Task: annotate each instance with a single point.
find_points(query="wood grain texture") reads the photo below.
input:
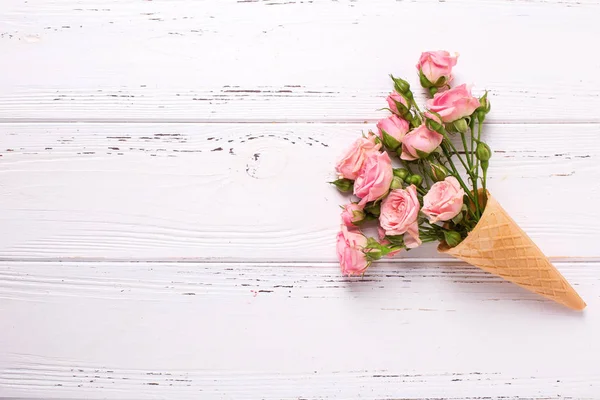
(251, 191)
(283, 331)
(216, 60)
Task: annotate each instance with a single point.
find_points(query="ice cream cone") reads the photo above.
(497, 245)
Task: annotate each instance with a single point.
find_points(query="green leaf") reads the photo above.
(459, 217)
(369, 217)
(452, 238)
(372, 255)
(373, 209)
(397, 240)
(372, 242)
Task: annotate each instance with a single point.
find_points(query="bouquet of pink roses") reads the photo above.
(437, 192)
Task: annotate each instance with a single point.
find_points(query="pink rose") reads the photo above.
(444, 200)
(352, 214)
(394, 98)
(393, 126)
(350, 245)
(437, 64)
(399, 213)
(421, 139)
(352, 161)
(375, 178)
(454, 104)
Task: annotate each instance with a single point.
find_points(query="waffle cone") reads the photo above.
(497, 245)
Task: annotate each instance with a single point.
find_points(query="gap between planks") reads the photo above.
(300, 264)
(257, 122)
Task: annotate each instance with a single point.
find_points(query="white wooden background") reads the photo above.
(167, 232)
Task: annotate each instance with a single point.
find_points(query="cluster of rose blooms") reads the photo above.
(425, 199)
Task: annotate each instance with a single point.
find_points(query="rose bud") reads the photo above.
(483, 151)
(392, 130)
(343, 184)
(401, 173)
(435, 68)
(419, 143)
(401, 85)
(415, 180)
(396, 183)
(433, 123)
(454, 104)
(439, 172)
(394, 100)
(461, 125)
(352, 215)
(485, 103)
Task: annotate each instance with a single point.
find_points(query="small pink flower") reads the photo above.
(399, 213)
(444, 200)
(394, 98)
(421, 139)
(351, 162)
(437, 64)
(352, 214)
(393, 126)
(350, 245)
(375, 178)
(454, 104)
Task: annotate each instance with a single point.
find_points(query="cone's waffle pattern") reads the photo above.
(497, 245)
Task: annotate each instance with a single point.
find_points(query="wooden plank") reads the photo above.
(219, 330)
(275, 60)
(252, 192)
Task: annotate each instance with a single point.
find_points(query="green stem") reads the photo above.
(457, 154)
(414, 103)
(440, 160)
(472, 129)
(483, 183)
(426, 175)
(467, 155)
(478, 211)
(472, 175)
(457, 175)
(479, 127)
